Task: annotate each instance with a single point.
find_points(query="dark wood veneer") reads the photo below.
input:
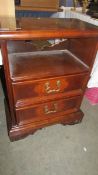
(45, 83)
(30, 92)
(42, 64)
(44, 111)
(36, 28)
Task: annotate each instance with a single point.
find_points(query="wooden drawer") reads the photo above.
(28, 92)
(47, 111)
(41, 3)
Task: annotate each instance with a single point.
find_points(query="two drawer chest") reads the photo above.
(45, 81)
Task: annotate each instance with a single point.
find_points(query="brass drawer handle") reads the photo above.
(49, 90)
(47, 111)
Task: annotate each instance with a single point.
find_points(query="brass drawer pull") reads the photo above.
(49, 90)
(47, 111)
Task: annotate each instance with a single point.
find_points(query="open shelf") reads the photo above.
(41, 64)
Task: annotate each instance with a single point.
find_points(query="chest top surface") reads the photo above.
(27, 28)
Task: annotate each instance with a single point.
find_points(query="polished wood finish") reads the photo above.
(28, 28)
(44, 111)
(38, 9)
(87, 56)
(39, 5)
(46, 83)
(31, 92)
(53, 63)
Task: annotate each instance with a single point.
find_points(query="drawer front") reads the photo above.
(47, 111)
(29, 93)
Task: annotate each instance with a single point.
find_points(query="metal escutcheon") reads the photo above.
(47, 111)
(49, 90)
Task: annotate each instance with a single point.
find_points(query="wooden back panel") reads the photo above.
(85, 49)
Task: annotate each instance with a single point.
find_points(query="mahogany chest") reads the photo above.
(46, 80)
(41, 3)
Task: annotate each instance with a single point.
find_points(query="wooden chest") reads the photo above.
(41, 3)
(45, 83)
